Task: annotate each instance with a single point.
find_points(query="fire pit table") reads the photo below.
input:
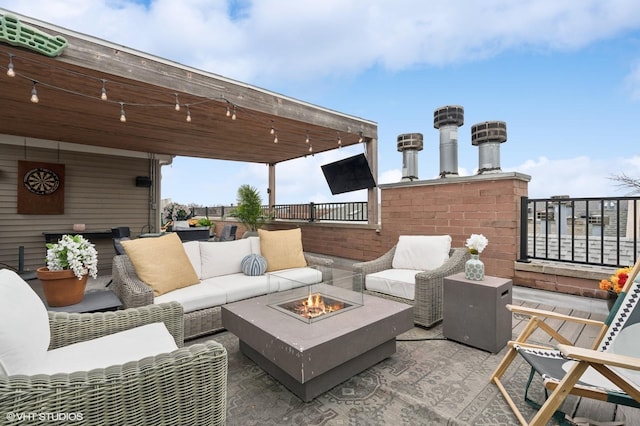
(309, 352)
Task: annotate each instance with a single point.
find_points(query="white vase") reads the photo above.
(474, 268)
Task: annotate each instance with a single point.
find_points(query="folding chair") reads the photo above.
(609, 371)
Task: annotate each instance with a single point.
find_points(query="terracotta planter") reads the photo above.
(61, 288)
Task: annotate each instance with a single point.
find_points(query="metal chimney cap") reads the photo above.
(450, 114)
(410, 141)
(489, 131)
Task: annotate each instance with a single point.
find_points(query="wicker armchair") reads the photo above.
(184, 387)
(427, 302)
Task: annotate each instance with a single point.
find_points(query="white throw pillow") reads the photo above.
(24, 325)
(421, 252)
(223, 258)
(192, 248)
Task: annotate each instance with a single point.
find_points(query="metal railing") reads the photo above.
(311, 212)
(316, 212)
(595, 231)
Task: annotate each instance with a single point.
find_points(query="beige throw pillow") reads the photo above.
(161, 262)
(282, 249)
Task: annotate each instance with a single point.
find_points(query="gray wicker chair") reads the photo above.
(427, 302)
(184, 387)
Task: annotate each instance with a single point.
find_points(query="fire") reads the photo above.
(315, 305)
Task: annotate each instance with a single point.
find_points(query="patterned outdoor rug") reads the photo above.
(426, 382)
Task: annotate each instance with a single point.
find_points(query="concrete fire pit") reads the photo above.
(310, 358)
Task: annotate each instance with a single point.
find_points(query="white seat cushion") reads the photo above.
(24, 325)
(394, 282)
(195, 297)
(240, 286)
(114, 349)
(421, 252)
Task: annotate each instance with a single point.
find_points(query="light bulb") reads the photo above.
(228, 111)
(275, 139)
(188, 115)
(310, 148)
(360, 138)
(339, 141)
(233, 116)
(103, 94)
(34, 94)
(272, 131)
(123, 118)
(307, 138)
(177, 103)
(10, 71)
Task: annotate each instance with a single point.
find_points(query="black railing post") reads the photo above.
(524, 229)
(312, 212)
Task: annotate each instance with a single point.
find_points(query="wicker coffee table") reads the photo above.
(311, 357)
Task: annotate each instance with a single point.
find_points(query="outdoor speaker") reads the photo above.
(143, 181)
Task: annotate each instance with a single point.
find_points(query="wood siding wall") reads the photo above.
(100, 192)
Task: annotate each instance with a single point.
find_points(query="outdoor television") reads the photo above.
(349, 174)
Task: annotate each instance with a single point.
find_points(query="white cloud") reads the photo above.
(575, 177)
(632, 82)
(275, 39)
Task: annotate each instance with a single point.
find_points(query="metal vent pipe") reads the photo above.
(409, 144)
(447, 119)
(488, 136)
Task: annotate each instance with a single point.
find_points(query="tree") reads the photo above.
(249, 210)
(625, 181)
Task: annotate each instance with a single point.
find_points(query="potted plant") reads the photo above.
(474, 267)
(249, 209)
(613, 286)
(69, 263)
(177, 216)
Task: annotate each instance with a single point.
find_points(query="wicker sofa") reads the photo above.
(225, 278)
(182, 387)
(427, 299)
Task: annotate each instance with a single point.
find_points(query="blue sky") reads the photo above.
(564, 76)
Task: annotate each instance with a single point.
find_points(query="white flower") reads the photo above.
(75, 253)
(476, 243)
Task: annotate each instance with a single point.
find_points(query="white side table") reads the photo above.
(475, 312)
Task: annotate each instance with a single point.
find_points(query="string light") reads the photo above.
(103, 94)
(310, 148)
(34, 93)
(10, 71)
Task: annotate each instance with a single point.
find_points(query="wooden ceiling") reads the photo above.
(70, 109)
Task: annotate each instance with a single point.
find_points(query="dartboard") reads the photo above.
(41, 181)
